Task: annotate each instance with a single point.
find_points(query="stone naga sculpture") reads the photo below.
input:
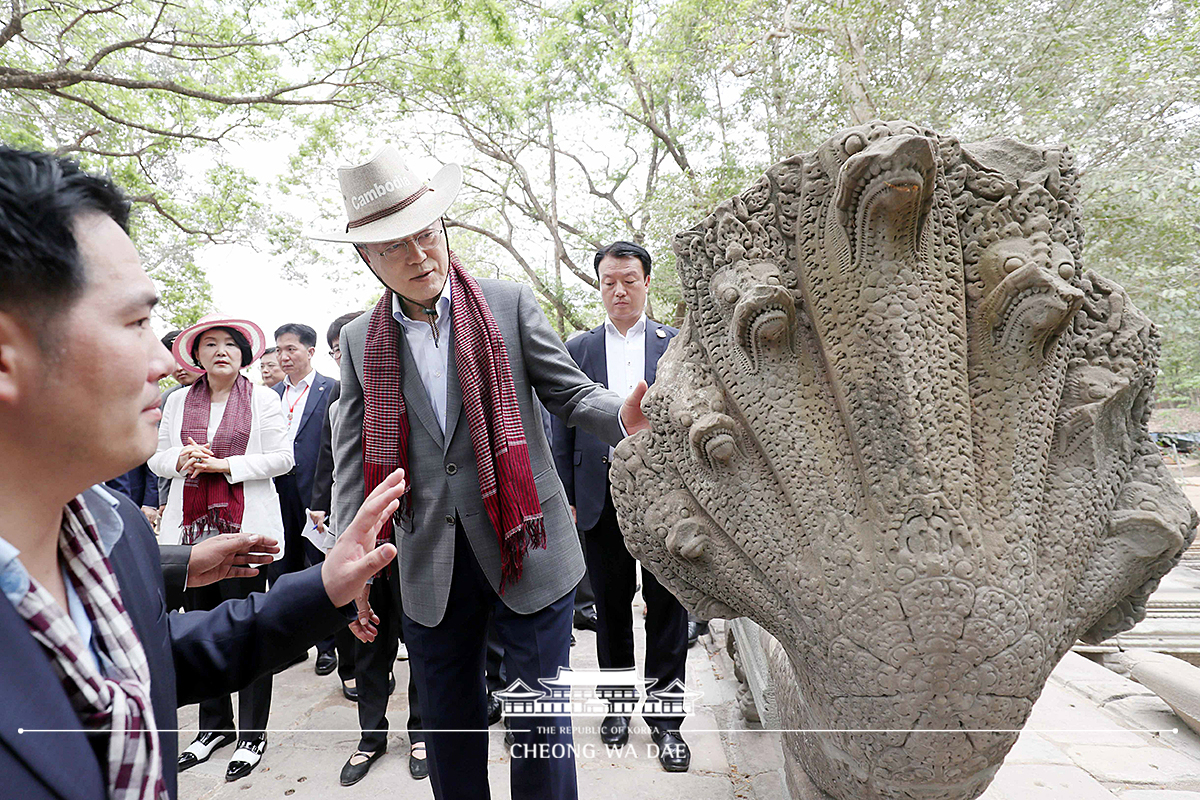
(905, 432)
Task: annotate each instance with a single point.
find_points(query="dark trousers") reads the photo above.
(614, 580)
(342, 641)
(373, 665)
(292, 510)
(254, 702)
(448, 662)
(584, 598)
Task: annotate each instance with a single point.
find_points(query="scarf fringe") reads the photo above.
(531, 533)
(211, 524)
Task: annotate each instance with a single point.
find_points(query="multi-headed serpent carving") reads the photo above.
(905, 432)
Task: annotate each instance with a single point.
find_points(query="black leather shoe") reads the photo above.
(357, 767)
(391, 684)
(418, 766)
(495, 708)
(585, 619)
(202, 747)
(245, 758)
(615, 731)
(673, 752)
(350, 692)
(326, 663)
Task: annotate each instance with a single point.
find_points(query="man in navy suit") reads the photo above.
(93, 664)
(619, 353)
(304, 395)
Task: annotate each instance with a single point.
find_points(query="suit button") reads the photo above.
(451, 469)
(449, 519)
(603, 459)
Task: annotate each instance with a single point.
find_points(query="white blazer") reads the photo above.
(268, 453)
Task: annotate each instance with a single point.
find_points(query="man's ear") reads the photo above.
(17, 358)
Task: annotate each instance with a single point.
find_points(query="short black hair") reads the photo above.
(306, 335)
(335, 327)
(238, 339)
(622, 250)
(41, 196)
(269, 351)
(169, 337)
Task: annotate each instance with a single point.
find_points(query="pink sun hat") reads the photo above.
(182, 348)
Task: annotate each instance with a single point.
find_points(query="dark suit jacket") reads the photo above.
(582, 459)
(139, 484)
(192, 657)
(322, 491)
(308, 437)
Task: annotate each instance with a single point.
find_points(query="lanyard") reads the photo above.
(292, 408)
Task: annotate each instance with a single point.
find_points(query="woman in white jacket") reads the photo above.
(221, 442)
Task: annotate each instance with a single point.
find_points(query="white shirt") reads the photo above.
(625, 355)
(625, 358)
(432, 360)
(295, 398)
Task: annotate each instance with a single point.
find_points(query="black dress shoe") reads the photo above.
(245, 758)
(202, 747)
(673, 752)
(391, 684)
(585, 619)
(350, 692)
(495, 708)
(326, 663)
(357, 767)
(418, 766)
(693, 633)
(615, 731)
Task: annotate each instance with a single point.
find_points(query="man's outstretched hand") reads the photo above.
(355, 558)
(631, 410)
(229, 555)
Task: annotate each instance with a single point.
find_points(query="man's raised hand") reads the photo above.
(355, 558)
(631, 410)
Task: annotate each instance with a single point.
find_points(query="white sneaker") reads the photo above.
(402, 652)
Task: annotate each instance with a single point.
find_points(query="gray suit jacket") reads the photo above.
(442, 472)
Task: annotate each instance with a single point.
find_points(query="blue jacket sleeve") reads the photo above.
(220, 651)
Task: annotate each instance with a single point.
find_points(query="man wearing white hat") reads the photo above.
(440, 379)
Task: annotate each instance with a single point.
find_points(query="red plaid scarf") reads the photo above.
(120, 701)
(489, 404)
(211, 504)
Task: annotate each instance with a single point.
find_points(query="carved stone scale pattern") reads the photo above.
(904, 431)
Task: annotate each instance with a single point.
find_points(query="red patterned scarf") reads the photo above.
(119, 701)
(489, 403)
(211, 504)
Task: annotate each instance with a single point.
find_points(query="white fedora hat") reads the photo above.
(385, 200)
(182, 348)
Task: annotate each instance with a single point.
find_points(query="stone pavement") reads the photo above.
(1093, 735)
(301, 764)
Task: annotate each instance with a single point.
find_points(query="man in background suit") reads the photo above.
(93, 664)
(304, 397)
(441, 376)
(618, 354)
(268, 367)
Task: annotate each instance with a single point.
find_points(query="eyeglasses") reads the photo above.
(402, 249)
(335, 351)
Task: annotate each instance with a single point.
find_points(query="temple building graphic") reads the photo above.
(596, 693)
